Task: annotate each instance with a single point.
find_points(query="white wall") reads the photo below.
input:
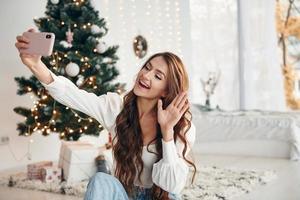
(17, 16)
(164, 24)
(162, 32)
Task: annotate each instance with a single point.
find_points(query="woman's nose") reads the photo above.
(147, 75)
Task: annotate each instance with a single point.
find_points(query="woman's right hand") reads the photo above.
(33, 62)
(29, 60)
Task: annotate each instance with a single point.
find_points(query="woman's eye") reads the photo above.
(158, 77)
(147, 68)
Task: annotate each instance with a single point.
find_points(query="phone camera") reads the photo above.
(48, 36)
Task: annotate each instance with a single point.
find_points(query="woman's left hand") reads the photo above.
(169, 117)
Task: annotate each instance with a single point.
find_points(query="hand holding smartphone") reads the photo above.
(32, 46)
(40, 43)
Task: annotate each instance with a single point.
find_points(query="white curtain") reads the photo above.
(215, 47)
(262, 79)
(239, 38)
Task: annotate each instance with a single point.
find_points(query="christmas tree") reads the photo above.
(80, 55)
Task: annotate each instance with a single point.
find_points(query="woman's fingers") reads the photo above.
(31, 30)
(22, 42)
(175, 100)
(21, 45)
(25, 55)
(21, 38)
(159, 105)
(179, 99)
(184, 108)
(182, 102)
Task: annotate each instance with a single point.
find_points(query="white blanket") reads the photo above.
(249, 125)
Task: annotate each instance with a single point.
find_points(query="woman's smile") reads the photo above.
(143, 85)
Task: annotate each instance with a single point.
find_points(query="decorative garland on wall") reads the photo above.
(288, 26)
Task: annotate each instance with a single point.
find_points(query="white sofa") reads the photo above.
(250, 133)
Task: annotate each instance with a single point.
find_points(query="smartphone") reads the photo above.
(41, 43)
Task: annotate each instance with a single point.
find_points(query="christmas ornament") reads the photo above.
(54, 1)
(96, 29)
(107, 60)
(69, 35)
(101, 47)
(140, 46)
(65, 44)
(97, 66)
(72, 69)
(79, 80)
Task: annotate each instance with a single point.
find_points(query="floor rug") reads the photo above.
(211, 183)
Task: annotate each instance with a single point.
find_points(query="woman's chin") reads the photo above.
(140, 93)
(136, 91)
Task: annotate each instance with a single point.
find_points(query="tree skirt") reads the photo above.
(211, 183)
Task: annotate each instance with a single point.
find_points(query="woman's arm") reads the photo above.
(171, 172)
(104, 108)
(41, 72)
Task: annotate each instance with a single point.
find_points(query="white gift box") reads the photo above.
(77, 160)
(51, 174)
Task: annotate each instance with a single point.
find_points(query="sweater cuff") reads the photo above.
(169, 151)
(56, 86)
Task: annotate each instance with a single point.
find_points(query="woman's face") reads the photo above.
(151, 81)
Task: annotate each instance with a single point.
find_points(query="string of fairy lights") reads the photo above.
(57, 57)
(164, 32)
(158, 21)
(44, 96)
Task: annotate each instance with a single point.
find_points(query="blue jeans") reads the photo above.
(106, 187)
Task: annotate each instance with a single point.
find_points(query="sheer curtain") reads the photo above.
(239, 39)
(215, 47)
(262, 77)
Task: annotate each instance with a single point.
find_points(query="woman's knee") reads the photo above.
(103, 177)
(105, 186)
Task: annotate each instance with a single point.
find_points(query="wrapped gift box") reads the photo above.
(34, 170)
(64, 146)
(51, 174)
(78, 160)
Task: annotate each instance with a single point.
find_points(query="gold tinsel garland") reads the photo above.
(289, 85)
(287, 26)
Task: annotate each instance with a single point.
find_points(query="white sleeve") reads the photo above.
(104, 108)
(171, 172)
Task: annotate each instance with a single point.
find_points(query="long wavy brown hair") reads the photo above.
(128, 142)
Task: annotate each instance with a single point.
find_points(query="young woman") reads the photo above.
(151, 127)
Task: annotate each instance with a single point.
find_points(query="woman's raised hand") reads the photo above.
(28, 59)
(169, 117)
(33, 62)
